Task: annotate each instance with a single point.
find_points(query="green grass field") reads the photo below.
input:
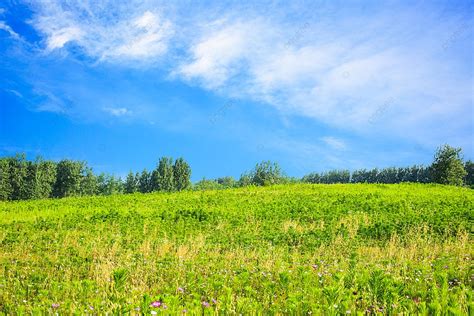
(291, 249)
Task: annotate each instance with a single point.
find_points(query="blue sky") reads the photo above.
(313, 85)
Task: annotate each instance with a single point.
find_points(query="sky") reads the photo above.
(313, 85)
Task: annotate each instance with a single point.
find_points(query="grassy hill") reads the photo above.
(324, 249)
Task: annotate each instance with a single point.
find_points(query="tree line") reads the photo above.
(448, 167)
(21, 179)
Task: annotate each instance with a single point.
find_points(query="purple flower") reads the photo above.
(55, 305)
(156, 304)
(165, 306)
(180, 289)
(205, 304)
(214, 301)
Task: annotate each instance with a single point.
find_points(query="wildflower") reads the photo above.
(214, 301)
(156, 304)
(164, 306)
(205, 304)
(185, 311)
(91, 307)
(137, 309)
(314, 266)
(55, 305)
(153, 313)
(180, 289)
(348, 311)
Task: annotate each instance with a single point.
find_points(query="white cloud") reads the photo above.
(59, 37)
(15, 92)
(220, 52)
(334, 142)
(378, 73)
(103, 33)
(118, 111)
(9, 30)
(350, 74)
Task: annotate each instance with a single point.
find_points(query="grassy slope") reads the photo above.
(297, 248)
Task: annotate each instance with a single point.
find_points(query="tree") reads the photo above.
(313, 177)
(144, 182)
(5, 185)
(447, 167)
(18, 173)
(206, 184)
(333, 176)
(227, 182)
(267, 173)
(469, 179)
(131, 183)
(245, 180)
(46, 178)
(181, 174)
(109, 184)
(89, 185)
(164, 178)
(68, 178)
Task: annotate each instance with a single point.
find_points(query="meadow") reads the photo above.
(283, 249)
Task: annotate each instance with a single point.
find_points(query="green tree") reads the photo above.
(267, 173)
(245, 179)
(46, 175)
(469, 179)
(109, 184)
(18, 173)
(312, 177)
(447, 167)
(89, 185)
(181, 174)
(206, 184)
(227, 182)
(131, 183)
(29, 189)
(68, 178)
(5, 185)
(144, 182)
(164, 178)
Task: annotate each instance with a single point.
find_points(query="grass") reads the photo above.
(290, 249)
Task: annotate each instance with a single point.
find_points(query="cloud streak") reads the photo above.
(107, 33)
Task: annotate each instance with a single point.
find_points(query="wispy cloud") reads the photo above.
(106, 33)
(344, 72)
(334, 143)
(9, 30)
(118, 111)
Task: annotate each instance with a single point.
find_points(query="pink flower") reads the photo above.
(55, 305)
(205, 304)
(156, 304)
(180, 289)
(214, 301)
